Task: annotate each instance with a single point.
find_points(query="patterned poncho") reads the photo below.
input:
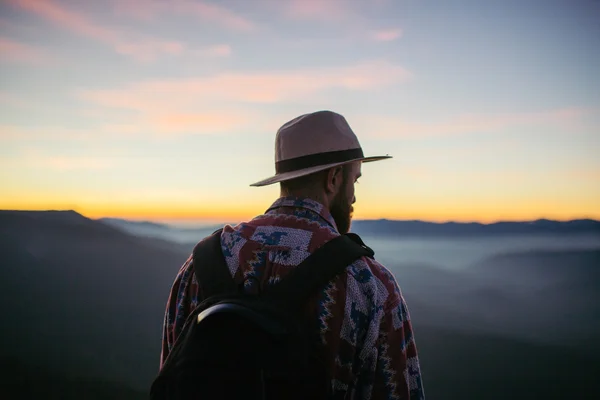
(364, 321)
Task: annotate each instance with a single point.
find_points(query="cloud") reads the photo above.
(386, 35)
(221, 102)
(322, 10)
(196, 123)
(139, 47)
(151, 125)
(12, 133)
(73, 21)
(393, 127)
(16, 52)
(148, 50)
(348, 18)
(219, 50)
(210, 12)
(259, 87)
(34, 158)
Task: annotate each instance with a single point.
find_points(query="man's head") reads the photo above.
(318, 155)
(333, 187)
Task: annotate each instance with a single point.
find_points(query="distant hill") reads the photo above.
(520, 295)
(83, 297)
(548, 265)
(384, 227)
(162, 231)
(453, 229)
(140, 224)
(545, 286)
(483, 366)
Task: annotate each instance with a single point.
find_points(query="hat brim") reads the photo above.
(286, 176)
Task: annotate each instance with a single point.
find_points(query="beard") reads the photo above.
(341, 211)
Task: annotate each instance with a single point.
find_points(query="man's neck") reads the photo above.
(318, 197)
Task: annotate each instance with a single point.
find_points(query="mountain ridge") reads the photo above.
(399, 228)
(86, 301)
(538, 221)
(587, 222)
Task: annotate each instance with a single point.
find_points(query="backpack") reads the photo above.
(246, 346)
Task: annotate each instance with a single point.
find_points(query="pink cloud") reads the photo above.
(319, 9)
(219, 50)
(210, 12)
(214, 12)
(387, 35)
(347, 16)
(13, 51)
(150, 125)
(196, 123)
(148, 50)
(219, 103)
(264, 87)
(139, 47)
(71, 20)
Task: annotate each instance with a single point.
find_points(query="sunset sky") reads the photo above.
(167, 110)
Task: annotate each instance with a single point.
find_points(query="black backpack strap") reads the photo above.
(317, 270)
(210, 267)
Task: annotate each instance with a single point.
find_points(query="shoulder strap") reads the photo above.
(210, 267)
(313, 273)
(317, 270)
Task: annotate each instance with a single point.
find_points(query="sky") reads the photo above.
(167, 110)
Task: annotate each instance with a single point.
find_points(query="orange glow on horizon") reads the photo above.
(227, 213)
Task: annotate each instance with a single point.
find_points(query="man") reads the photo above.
(364, 322)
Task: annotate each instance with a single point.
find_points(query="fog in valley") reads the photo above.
(499, 313)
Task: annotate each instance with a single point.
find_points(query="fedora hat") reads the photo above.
(314, 142)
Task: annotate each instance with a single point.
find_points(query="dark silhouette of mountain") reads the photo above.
(81, 296)
(482, 366)
(559, 264)
(85, 300)
(118, 222)
(544, 286)
(188, 236)
(384, 227)
(519, 295)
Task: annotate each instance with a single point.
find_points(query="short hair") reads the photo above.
(307, 181)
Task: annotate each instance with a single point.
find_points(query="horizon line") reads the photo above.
(206, 223)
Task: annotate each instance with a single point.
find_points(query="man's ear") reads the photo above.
(334, 179)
